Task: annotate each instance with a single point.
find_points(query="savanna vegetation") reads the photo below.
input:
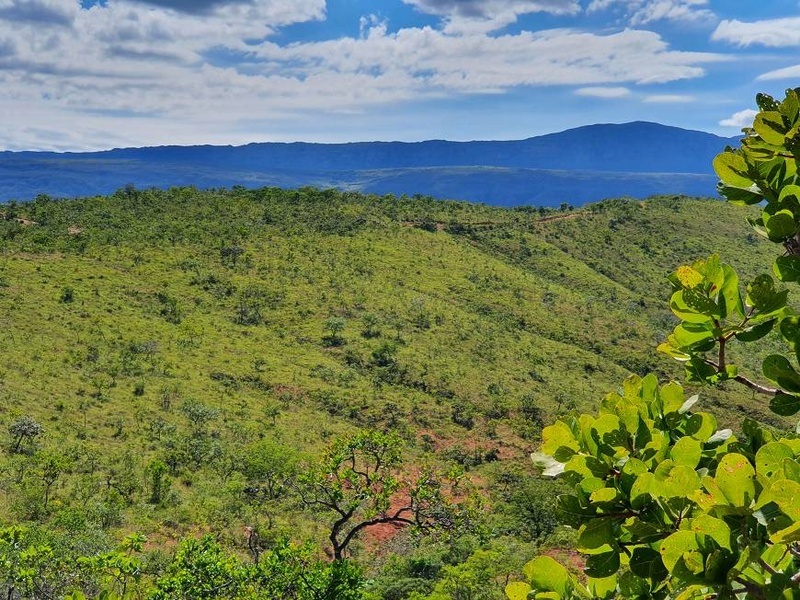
(317, 394)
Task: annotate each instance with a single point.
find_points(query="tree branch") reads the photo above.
(757, 387)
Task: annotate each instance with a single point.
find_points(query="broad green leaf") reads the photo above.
(602, 565)
(790, 329)
(686, 451)
(780, 226)
(787, 268)
(769, 458)
(786, 494)
(675, 546)
(602, 588)
(736, 479)
(672, 397)
(632, 586)
(716, 529)
(517, 590)
(729, 292)
(785, 405)
(571, 511)
(787, 535)
(546, 574)
(557, 435)
(766, 102)
(790, 195)
(605, 495)
(778, 369)
(701, 426)
(740, 196)
(596, 534)
(648, 564)
(790, 107)
(756, 332)
(731, 168)
(689, 334)
(770, 126)
(688, 277)
(680, 483)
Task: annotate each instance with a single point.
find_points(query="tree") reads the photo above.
(666, 504)
(358, 481)
(24, 428)
(334, 326)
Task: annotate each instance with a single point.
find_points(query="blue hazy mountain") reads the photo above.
(574, 166)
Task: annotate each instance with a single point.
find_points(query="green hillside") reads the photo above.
(207, 330)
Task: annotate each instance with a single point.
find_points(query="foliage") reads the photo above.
(666, 505)
(24, 428)
(357, 479)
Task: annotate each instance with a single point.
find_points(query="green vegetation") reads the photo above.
(666, 505)
(220, 388)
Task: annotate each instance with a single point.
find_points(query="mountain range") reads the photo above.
(576, 166)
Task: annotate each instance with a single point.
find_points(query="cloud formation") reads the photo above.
(603, 92)
(490, 15)
(128, 72)
(743, 118)
(643, 12)
(773, 33)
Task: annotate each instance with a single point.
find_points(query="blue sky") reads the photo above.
(96, 74)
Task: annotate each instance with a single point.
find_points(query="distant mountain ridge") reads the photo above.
(575, 166)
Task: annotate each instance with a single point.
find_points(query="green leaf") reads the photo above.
(756, 332)
(602, 588)
(571, 511)
(602, 565)
(546, 574)
(647, 563)
(693, 306)
(778, 369)
(785, 405)
(787, 268)
(731, 168)
(780, 226)
(517, 590)
(701, 426)
(633, 586)
(686, 451)
(770, 126)
(675, 546)
(596, 534)
(740, 196)
(736, 479)
(769, 458)
(716, 529)
(557, 435)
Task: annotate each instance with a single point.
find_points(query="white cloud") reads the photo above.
(785, 73)
(774, 33)
(668, 99)
(490, 15)
(603, 92)
(157, 74)
(642, 12)
(743, 118)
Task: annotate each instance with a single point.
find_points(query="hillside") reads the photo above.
(574, 166)
(203, 329)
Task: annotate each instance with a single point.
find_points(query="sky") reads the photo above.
(96, 74)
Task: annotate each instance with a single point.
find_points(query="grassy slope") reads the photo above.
(560, 308)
